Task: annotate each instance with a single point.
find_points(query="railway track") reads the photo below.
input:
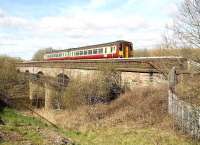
(135, 64)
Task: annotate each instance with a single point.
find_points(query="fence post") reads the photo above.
(172, 80)
(172, 86)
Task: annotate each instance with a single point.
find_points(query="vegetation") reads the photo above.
(39, 55)
(137, 117)
(187, 24)
(18, 129)
(190, 53)
(188, 88)
(103, 87)
(8, 74)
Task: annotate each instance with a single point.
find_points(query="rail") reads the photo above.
(136, 64)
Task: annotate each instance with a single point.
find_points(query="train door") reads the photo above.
(121, 50)
(126, 51)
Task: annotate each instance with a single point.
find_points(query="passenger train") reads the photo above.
(117, 49)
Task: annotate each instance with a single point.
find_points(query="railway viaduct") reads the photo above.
(141, 71)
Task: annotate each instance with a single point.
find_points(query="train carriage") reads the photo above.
(117, 49)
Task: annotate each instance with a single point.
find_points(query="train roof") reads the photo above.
(92, 46)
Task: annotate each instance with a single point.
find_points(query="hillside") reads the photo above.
(23, 130)
(17, 129)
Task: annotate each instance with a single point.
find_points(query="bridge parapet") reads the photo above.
(140, 64)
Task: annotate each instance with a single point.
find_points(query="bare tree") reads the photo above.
(40, 53)
(187, 22)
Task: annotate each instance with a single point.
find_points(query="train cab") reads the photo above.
(125, 49)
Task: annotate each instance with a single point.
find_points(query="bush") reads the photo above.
(8, 74)
(190, 53)
(39, 55)
(104, 87)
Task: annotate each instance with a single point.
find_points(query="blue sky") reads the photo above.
(28, 25)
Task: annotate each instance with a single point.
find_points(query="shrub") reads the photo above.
(8, 74)
(104, 87)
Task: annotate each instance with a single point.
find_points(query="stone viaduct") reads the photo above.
(131, 72)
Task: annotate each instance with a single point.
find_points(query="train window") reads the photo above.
(85, 52)
(89, 51)
(77, 53)
(105, 50)
(120, 47)
(81, 52)
(101, 50)
(95, 51)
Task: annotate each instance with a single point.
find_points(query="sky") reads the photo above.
(29, 25)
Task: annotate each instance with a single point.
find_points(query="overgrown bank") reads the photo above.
(17, 129)
(137, 117)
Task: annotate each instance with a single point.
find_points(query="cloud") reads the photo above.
(79, 26)
(12, 21)
(97, 3)
(171, 9)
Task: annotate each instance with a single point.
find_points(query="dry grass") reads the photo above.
(190, 53)
(188, 88)
(145, 106)
(136, 117)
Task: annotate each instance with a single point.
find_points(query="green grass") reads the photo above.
(26, 128)
(125, 136)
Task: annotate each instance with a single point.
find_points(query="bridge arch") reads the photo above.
(18, 70)
(63, 79)
(40, 74)
(27, 72)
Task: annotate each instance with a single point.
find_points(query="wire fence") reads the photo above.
(186, 116)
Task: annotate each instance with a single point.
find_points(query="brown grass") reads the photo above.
(146, 106)
(188, 88)
(190, 53)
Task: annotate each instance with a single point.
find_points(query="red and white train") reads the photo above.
(117, 49)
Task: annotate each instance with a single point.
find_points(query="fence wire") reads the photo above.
(186, 115)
